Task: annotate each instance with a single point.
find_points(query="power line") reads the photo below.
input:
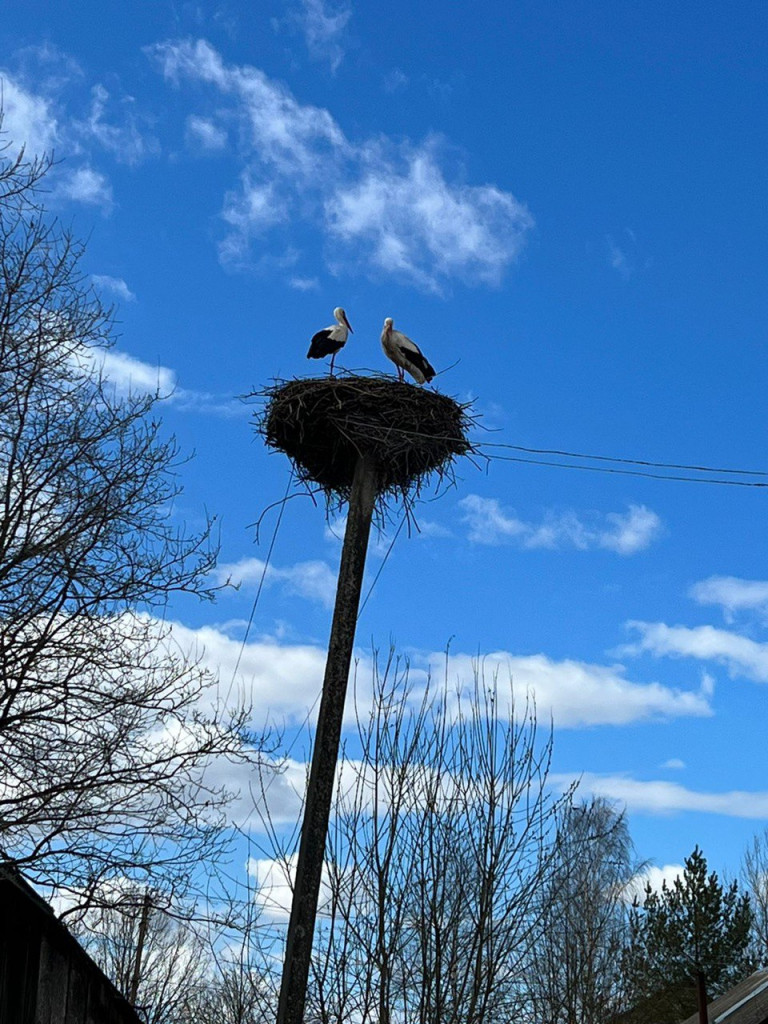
(283, 503)
(625, 461)
(381, 567)
(637, 472)
(479, 447)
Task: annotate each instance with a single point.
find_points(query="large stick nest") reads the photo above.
(324, 425)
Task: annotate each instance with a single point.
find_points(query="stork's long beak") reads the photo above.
(349, 325)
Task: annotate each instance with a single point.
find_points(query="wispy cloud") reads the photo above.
(619, 259)
(395, 80)
(28, 118)
(35, 117)
(388, 206)
(732, 595)
(86, 185)
(118, 134)
(324, 25)
(413, 224)
(115, 285)
(623, 256)
(130, 375)
(662, 797)
(739, 654)
(205, 134)
(305, 284)
(314, 580)
(623, 532)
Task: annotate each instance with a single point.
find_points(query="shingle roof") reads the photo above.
(747, 1003)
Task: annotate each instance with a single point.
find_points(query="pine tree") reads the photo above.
(694, 932)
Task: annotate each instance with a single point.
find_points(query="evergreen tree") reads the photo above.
(694, 932)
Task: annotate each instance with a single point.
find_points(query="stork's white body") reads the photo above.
(331, 339)
(405, 354)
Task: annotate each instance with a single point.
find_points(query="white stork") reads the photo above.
(331, 339)
(405, 354)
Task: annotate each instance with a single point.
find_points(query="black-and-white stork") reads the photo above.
(405, 354)
(332, 339)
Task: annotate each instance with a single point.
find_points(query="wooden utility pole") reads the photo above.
(133, 992)
(298, 949)
(701, 995)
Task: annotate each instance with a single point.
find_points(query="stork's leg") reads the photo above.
(333, 358)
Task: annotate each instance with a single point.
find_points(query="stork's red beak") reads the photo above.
(349, 325)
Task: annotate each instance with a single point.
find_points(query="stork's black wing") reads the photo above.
(421, 362)
(323, 344)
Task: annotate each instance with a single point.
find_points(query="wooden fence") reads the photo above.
(45, 975)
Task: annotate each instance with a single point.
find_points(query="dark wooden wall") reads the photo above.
(45, 975)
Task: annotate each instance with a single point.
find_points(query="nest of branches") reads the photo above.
(324, 425)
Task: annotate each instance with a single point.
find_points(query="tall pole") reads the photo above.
(133, 991)
(314, 830)
(701, 997)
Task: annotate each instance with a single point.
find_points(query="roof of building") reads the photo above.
(747, 1003)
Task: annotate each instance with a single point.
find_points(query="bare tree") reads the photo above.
(754, 875)
(156, 960)
(105, 727)
(441, 837)
(575, 972)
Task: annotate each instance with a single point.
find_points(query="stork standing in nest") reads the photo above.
(405, 354)
(331, 339)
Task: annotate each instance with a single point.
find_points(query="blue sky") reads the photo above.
(564, 204)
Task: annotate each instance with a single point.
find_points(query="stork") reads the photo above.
(331, 339)
(405, 354)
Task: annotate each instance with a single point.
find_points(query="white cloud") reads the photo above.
(661, 797)
(28, 119)
(205, 133)
(305, 284)
(630, 532)
(739, 654)
(428, 528)
(116, 285)
(86, 185)
(619, 259)
(121, 136)
(412, 224)
(283, 681)
(655, 877)
(732, 594)
(623, 532)
(578, 694)
(274, 887)
(323, 25)
(250, 211)
(130, 375)
(395, 80)
(673, 764)
(387, 206)
(35, 116)
(314, 580)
